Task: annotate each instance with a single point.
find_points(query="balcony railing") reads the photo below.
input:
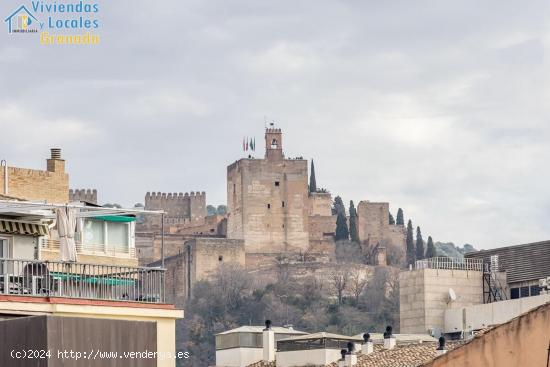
(446, 263)
(81, 280)
(88, 249)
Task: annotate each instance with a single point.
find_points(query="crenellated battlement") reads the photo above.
(173, 195)
(87, 195)
(178, 206)
(273, 130)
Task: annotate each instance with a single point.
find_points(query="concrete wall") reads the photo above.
(164, 318)
(51, 185)
(423, 296)
(314, 357)
(238, 357)
(521, 342)
(478, 317)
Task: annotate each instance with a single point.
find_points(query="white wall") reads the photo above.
(238, 357)
(23, 247)
(316, 357)
(481, 316)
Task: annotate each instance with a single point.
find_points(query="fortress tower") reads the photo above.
(268, 201)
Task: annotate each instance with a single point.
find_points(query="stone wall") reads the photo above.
(180, 208)
(51, 185)
(320, 203)
(199, 259)
(424, 296)
(374, 228)
(87, 195)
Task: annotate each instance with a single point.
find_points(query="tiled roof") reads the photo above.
(408, 355)
(262, 364)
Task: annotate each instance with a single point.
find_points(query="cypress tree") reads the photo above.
(338, 206)
(353, 230)
(400, 220)
(430, 251)
(312, 180)
(410, 244)
(419, 245)
(342, 232)
(392, 221)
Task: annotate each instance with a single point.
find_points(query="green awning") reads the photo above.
(116, 218)
(92, 279)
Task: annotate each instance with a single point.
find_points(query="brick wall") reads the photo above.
(31, 184)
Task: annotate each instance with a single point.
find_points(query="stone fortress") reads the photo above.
(271, 215)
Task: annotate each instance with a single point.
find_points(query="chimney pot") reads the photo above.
(55, 153)
(268, 342)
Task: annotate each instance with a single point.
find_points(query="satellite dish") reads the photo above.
(452, 295)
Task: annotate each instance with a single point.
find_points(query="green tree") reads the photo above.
(353, 230)
(221, 210)
(410, 244)
(338, 206)
(430, 251)
(312, 180)
(210, 210)
(419, 245)
(400, 220)
(392, 221)
(342, 232)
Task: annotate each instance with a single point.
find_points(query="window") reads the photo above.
(99, 235)
(514, 293)
(117, 235)
(274, 144)
(524, 292)
(94, 232)
(283, 204)
(277, 183)
(268, 206)
(220, 258)
(535, 290)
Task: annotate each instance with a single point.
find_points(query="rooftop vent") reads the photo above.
(367, 347)
(441, 348)
(389, 339)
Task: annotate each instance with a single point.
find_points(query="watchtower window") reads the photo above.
(220, 258)
(277, 183)
(274, 144)
(283, 203)
(268, 206)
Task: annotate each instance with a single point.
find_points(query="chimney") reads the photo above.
(351, 357)
(367, 347)
(268, 339)
(342, 361)
(441, 348)
(55, 163)
(389, 339)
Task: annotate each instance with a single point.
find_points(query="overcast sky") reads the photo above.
(441, 108)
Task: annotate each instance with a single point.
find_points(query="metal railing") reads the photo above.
(446, 263)
(81, 280)
(88, 249)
